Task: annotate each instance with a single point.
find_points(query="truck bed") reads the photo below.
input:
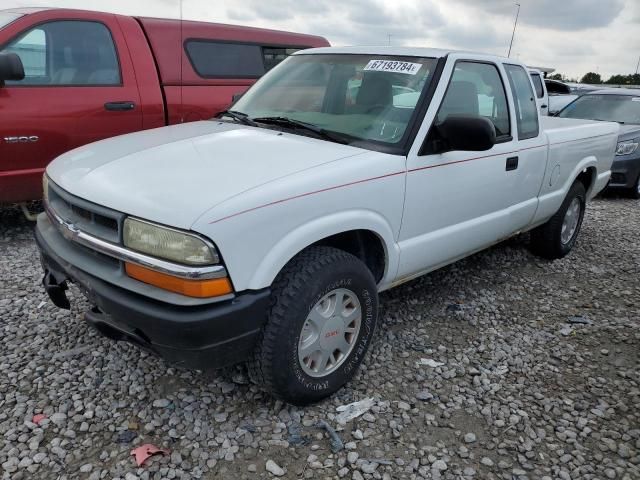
(563, 130)
(571, 143)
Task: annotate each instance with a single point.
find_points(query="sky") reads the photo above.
(572, 36)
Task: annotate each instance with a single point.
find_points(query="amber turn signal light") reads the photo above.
(215, 287)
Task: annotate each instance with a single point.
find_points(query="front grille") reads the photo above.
(93, 219)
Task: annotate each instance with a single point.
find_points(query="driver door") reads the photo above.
(79, 87)
(457, 202)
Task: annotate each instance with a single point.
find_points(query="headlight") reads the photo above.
(168, 243)
(45, 188)
(627, 147)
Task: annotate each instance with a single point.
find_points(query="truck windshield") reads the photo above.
(368, 99)
(611, 108)
(7, 17)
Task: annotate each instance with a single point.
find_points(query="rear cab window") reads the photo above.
(525, 102)
(221, 59)
(66, 53)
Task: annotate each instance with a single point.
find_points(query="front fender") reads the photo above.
(319, 228)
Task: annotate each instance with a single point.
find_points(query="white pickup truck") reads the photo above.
(266, 235)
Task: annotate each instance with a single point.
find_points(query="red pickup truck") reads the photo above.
(91, 75)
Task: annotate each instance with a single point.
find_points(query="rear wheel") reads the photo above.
(556, 238)
(321, 321)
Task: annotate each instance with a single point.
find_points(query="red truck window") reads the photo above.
(66, 53)
(217, 59)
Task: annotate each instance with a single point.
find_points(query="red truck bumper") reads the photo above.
(21, 185)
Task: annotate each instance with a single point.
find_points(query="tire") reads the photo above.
(634, 192)
(547, 240)
(307, 285)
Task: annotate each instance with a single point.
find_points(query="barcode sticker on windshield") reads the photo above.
(393, 66)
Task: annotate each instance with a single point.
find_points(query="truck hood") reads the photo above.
(172, 175)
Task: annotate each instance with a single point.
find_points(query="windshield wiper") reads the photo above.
(297, 124)
(238, 116)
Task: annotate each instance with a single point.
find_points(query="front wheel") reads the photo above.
(556, 238)
(321, 321)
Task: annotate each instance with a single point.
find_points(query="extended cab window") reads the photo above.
(67, 53)
(477, 89)
(537, 84)
(526, 108)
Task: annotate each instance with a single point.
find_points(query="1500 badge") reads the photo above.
(29, 139)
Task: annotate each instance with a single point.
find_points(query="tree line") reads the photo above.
(595, 78)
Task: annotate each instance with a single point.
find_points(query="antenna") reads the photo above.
(514, 29)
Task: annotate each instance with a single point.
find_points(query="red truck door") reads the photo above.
(79, 87)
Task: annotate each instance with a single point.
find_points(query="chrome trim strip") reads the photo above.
(72, 233)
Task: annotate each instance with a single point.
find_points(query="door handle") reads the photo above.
(543, 106)
(119, 106)
(512, 163)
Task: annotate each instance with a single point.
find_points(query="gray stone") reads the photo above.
(470, 438)
(274, 468)
(439, 465)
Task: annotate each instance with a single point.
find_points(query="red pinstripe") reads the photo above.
(364, 181)
(307, 194)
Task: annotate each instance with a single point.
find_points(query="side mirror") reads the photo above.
(10, 67)
(471, 133)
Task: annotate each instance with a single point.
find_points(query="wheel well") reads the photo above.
(587, 178)
(365, 245)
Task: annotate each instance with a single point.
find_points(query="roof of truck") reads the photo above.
(307, 39)
(398, 51)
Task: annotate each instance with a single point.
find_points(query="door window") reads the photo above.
(525, 102)
(67, 53)
(537, 84)
(477, 89)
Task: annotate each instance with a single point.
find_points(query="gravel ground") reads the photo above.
(540, 378)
